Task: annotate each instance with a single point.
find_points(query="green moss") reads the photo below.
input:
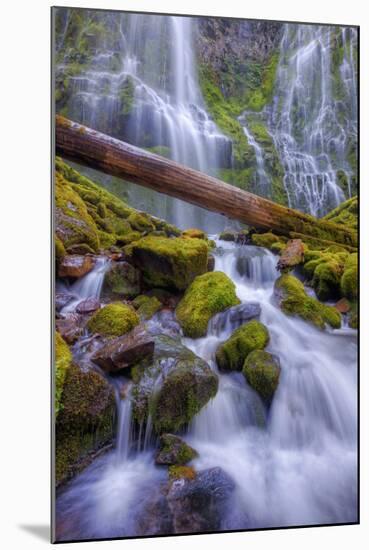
(126, 97)
(265, 240)
(293, 300)
(326, 279)
(113, 320)
(349, 280)
(146, 306)
(102, 210)
(140, 221)
(169, 262)
(345, 214)
(60, 251)
(207, 295)
(232, 353)
(63, 360)
(262, 371)
(85, 421)
(228, 236)
(174, 451)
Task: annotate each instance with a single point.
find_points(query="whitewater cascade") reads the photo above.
(313, 118)
(158, 102)
(293, 464)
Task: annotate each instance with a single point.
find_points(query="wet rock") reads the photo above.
(85, 421)
(343, 305)
(235, 317)
(113, 319)
(170, 263)
(62, 299)
(81, 248)
(75, 266)
(88, 306)
(125, 351)
(208, 295)
(146, 306)
(164, 322)
(199, 504)
(122, 280)
(232, 353)
(292, 255)
(262, 370)
(173, 387)
(211, 263)
(71, 327)
(229, 236)
(173, 450)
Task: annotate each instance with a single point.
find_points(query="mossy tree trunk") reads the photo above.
(109, 155)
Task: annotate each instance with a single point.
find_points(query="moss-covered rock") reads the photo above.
(63, 360)
(326, 279)
(60, 251)
(85, 421)
(194, 233)
(209, 294)
(122, 280)
(228, 236)
(146, 306)
(345, 214)
(73, 223)
(232, 353)
(262, 370)
(142, 222)
(349, 280)
(265, 240)
(293, 300)
(113, 320)
(173, 387)
(174, 451)
(169, 262)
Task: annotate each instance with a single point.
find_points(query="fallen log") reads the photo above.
(88, 147)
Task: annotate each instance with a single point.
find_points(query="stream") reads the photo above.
(294, 464)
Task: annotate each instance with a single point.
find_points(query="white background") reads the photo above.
(24, 218)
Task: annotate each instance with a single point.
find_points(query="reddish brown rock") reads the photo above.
(343, 305)
(88, 306)
(76, 266)
(70, 327)
(124, 351)
(292, 255)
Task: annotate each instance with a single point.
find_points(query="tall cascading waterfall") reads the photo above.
(313, 118)
(145, 90)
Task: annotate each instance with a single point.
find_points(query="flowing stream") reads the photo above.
(293, 464)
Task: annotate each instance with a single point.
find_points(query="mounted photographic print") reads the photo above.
(205, 224)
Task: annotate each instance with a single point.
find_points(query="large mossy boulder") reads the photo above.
(208, 295)
(262, 370)
(170, 263)
(293, 300)
(85, 421)
(113, 320)
(174, 451)
(63, 360)
(172, 387)
(232, 353)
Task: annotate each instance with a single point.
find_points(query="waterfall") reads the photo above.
(313, 116)
(88, 286)
(156, 104)
(282, 459)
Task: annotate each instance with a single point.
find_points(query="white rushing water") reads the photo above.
(293, 464)
(158, 91)
(313, 117)
(89, 286)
